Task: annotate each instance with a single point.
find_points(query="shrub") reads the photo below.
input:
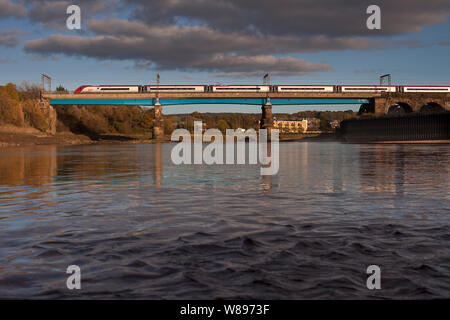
(33, 115)
(10, 108)
(168, 126)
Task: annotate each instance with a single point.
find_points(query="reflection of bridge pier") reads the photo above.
(266, 179)
(157, 169)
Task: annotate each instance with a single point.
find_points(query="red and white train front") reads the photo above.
(108, 89)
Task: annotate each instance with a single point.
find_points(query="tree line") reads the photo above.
(18, 107)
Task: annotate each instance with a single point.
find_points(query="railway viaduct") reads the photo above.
(377, 103)
(411, 102)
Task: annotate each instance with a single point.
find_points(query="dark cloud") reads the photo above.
(232, 37)
(328, 17)
(199, 48)
(52, 14)
(10, 38)
(169, 55)
(9, 9)
(203, 40)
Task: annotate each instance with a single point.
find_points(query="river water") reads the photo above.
(139, 226)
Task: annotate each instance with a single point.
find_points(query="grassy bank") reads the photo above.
(14, 137)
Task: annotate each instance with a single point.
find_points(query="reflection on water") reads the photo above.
(22, 166)
(157, 176)
(141, 227)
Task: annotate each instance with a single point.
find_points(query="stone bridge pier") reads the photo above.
(158, 122)
(266, 117)
(411, 103)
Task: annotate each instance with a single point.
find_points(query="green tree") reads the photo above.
(10, 108)
(33, 115)
(168, 126)
(29, 91)
(222, 125)
(61, 89)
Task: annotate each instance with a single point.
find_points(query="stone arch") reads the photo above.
(431, 107)
(366, 108)
(400, 108)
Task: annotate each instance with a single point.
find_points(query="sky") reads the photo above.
(225, 42)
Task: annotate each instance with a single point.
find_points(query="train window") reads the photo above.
(302, 89)
(238, 88)
(426, 89)
(172, 89)
(112, 89)
(360, 89)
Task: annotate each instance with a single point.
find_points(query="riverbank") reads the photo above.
(26, 139)
(322, 137)
(11, 136)
(21, 137)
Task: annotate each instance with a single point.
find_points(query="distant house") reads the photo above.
(291, 126)
(335, 124)
(313, 124)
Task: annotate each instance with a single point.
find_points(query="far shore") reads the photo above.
(11, 136)
(24, 137)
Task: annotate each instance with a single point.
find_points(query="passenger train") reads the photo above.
(259, 88)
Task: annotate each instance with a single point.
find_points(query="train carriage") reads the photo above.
(175, 88)
(365, 88)
(109, 89)
(241, 88)
(304, 88)
(424, 89)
